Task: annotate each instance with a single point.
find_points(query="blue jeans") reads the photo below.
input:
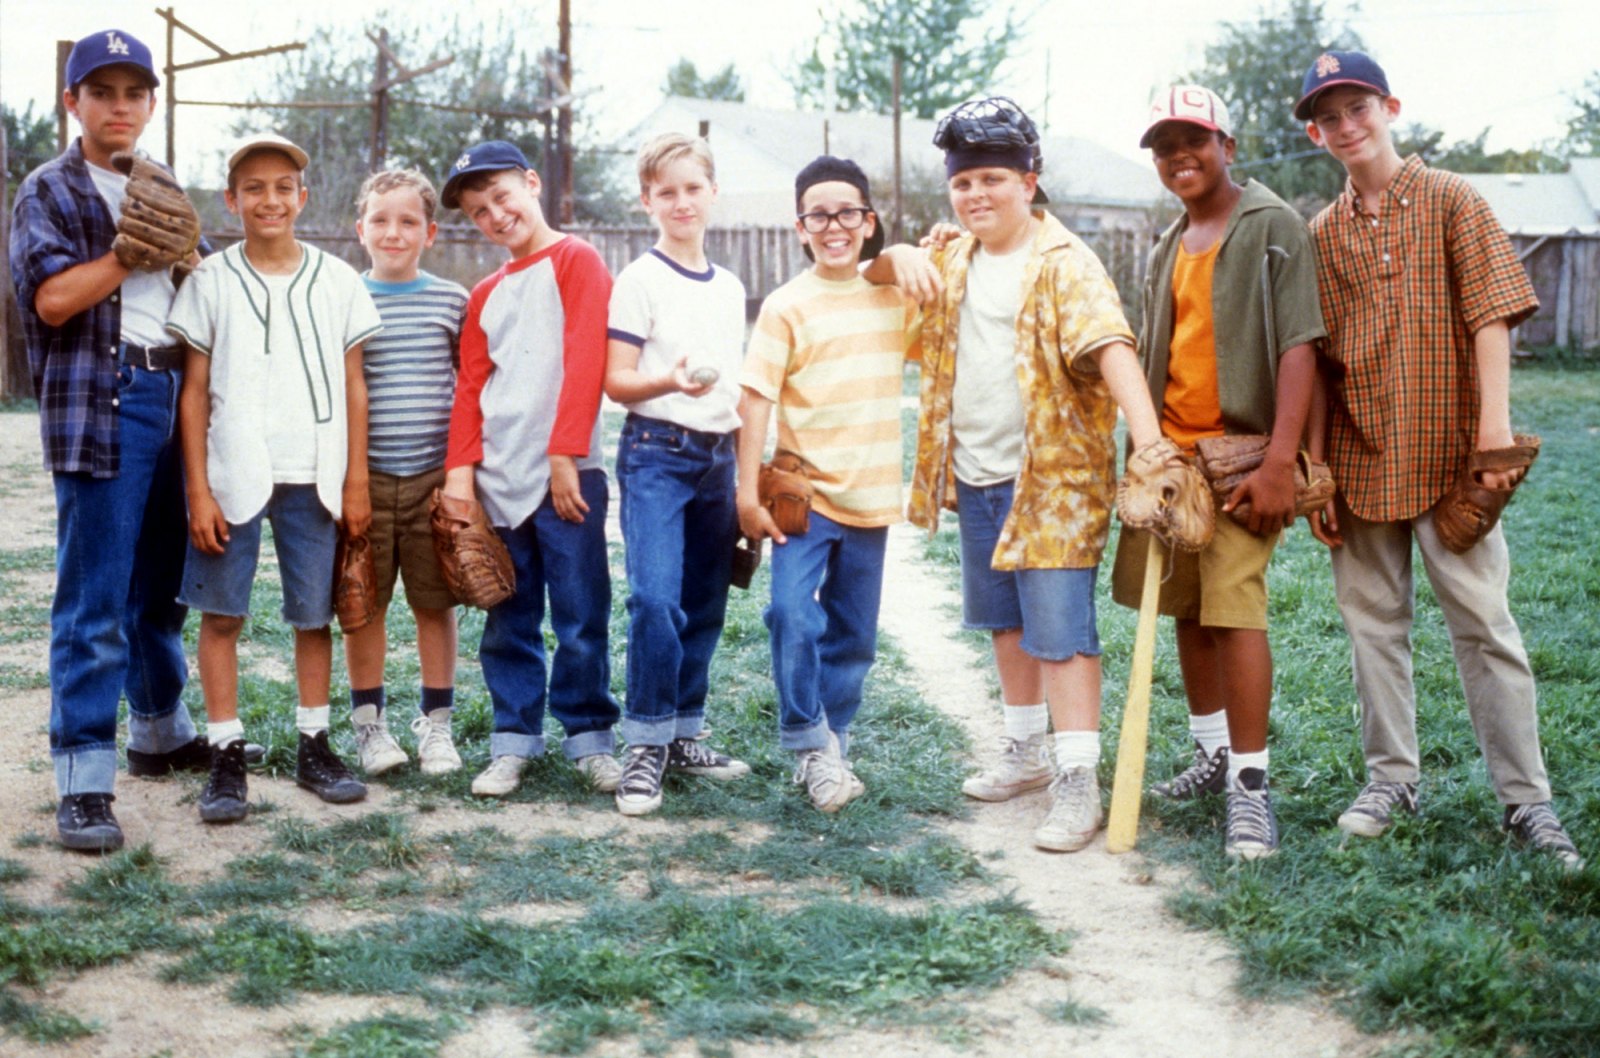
(679, 525)
(116, 627)
(569, 559)
(826, 587)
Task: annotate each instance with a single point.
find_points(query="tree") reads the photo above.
(30, 142)
(684, 80)
(1583, 128)
(944, 59)
(1471, 156)
(1257, 67)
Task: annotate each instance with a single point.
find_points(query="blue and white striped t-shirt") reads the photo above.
(410, 372)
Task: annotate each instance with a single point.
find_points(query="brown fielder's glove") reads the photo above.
(1162, 493)
(158, 227)
(1466, 513)
(1227, 460)
(784, 490)
(355, 586)
(476, 565)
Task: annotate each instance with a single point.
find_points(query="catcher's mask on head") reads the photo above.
(990, 132)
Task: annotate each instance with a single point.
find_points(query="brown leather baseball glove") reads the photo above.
(785, 490)
(158, 227)
(1161, 492)
(355, 586)
(1228, 460)
(1466, 513)
(476, 565)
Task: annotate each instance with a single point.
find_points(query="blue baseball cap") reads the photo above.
(112, 47)
(490, 156)
(1334, 68)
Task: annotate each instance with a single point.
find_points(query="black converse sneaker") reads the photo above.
(1252, 832)
(639, 792)
(84, 823)
(1207, 775)
(226, 798)
(319, 769)
(694, 756)
(1539, 828)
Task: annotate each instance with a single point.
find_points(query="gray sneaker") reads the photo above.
(829, 781)
(603, 771)
(639, 791)
(1207, 775)
(1252, 832)
(1024, 765)
(1075, 814)
(1538, 827)
(1373, 810)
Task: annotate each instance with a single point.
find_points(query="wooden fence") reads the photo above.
(1565, 270)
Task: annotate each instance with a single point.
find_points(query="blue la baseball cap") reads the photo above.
(490, 156)
(1336, 68)
(112, 47)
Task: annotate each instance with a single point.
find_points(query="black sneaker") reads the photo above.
(1207, 775)
(643, 769)
(1377, 805)
(694, 756)
(1252, 832)
(320, 770)
(1538, 827)
(84, 822)
(226, 798)
(194, 755)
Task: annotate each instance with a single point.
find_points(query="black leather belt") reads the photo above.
(151, 357)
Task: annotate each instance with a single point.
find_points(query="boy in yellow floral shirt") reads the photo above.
(1019, 442)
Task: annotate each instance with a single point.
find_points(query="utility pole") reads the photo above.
(564, 115)
(381, 83)
(63, 51)
(894, 228)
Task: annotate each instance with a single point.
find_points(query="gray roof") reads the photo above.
(1540, 203)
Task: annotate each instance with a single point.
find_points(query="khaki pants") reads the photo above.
(1373, 581)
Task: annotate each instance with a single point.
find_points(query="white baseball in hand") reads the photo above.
(704, 376)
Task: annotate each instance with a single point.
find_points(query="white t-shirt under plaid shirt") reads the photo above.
(410, 372)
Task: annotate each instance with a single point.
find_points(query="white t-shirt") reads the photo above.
(986, 412)
(669, 311)
(146, 296)
(291, 428)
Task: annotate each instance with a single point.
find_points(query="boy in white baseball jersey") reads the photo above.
(274, 424)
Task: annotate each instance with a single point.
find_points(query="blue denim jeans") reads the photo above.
(826, 587)
(569, 560)
(679, 525)
(116, 627)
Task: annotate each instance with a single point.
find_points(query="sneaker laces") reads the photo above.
(504, 768)
(94, 809)
(1249, 816)
(431, 736)
(693, 753)
(641, 772)
(816, 771)
(1538, 825)
(1379, 799)
(1197, 776)
(320, 760)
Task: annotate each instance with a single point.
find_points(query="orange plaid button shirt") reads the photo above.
(1402, 295)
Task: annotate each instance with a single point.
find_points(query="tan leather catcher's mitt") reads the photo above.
(158, 227)
(476, 565)
(355, 586)
(1466, 513)
(1162, 493)
(785, 490)
(1229, 459)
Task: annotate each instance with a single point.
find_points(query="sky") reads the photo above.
(1457, 65)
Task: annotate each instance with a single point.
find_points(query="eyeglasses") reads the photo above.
(850, 218)
(1356, 113)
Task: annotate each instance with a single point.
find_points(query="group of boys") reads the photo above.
(333, 403)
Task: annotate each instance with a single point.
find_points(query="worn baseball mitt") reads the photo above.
(1162, 493)
(158, 227)
(785, 490)
(1228, 460)
(1466, 513)
(355, 587)
(476, 565)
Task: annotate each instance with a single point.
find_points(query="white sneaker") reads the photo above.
(500, 777)
(1024, 765)
(828, 780)
(1075, 814)
(436, 750)
(603, 771)
(377, 749)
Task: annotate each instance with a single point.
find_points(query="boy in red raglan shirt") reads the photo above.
(525, 441)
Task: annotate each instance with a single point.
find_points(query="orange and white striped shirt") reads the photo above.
(831, 354)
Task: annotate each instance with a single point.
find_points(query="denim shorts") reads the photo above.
(1053, 607)
(303, 535)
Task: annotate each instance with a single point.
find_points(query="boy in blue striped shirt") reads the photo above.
(410, 373)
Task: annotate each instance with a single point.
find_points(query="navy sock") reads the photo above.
(367, 696)
(437, 698)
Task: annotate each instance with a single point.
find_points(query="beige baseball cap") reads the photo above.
(1189, 103)
(267, 141)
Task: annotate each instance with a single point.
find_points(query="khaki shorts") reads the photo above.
(1222, 586)
(402, 540)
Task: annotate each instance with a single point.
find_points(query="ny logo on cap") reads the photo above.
(115, 44)
(463, 161)
(1327, 65)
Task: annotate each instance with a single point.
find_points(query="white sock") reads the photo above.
(1210, 730)
(1077, 749)
(1025, 721)
(222, 732)
(1238, 762)
(362, 714)
(311, 720)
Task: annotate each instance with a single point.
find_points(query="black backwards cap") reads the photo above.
(825, 169)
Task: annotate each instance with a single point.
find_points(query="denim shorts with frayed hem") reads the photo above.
(304, 536)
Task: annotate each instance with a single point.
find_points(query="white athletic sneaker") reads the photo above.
(500, 777)
(377, 749)
(603, 771)
(1024, 765)
(436, 750)
(1075, 815)
(829, 781)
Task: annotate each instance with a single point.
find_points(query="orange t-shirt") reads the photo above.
(1191, 408)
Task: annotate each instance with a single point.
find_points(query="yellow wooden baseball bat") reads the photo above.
(1122, 829)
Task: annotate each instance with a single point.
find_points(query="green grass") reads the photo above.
(1439, 928)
